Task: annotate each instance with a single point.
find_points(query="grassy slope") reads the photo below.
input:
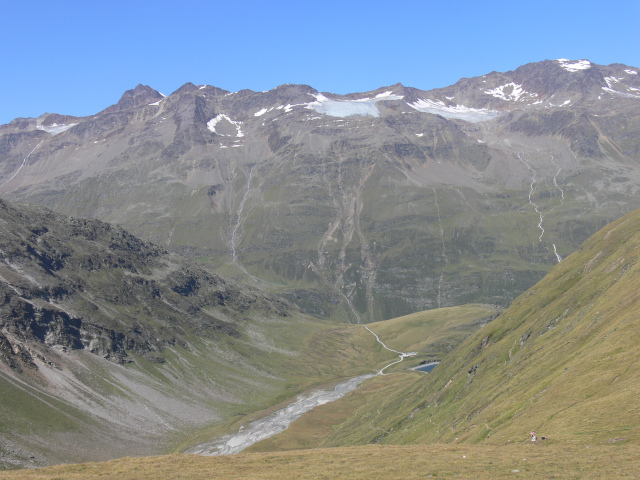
(432, 334)
(369, 462)
(295, 355)
(223, 382)
(562, 360)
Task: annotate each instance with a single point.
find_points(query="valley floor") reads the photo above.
(370, 462)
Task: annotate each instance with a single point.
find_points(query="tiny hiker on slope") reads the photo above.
(534, 438)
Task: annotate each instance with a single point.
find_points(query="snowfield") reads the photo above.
(515, 92)
(346, 108)
(437, 107)
(55, 129)
(211, 125)
(571, 66)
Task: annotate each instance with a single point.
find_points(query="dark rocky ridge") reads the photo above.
(69, 283)
(141, 95)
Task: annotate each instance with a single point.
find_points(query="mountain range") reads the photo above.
(184, 264)
(360, 207)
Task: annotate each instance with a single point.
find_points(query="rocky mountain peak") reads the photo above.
(141, 95)
(293, 93)
(186, 88)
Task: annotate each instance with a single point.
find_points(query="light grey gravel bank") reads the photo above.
(277, 422)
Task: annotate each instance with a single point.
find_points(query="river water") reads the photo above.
(280, 420)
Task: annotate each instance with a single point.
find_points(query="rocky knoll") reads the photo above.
(363, 206)
(82, 284)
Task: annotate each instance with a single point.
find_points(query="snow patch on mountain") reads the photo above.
(54, 128)
(438, 107)
(211, 125)
(619, 94)
(509, 91)
(346, 108)
(570, 66)
(289, 107)
(259, 113)
(611, 81)
(631, 72)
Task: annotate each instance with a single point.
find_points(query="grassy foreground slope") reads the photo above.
(562, 360)
(369, 462)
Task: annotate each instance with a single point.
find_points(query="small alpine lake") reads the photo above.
(427, 367)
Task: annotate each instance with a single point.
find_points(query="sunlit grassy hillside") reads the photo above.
(371, 462)
(563, 361)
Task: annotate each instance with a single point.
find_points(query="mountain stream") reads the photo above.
(280, 420)
(24, 161)
(532, 189)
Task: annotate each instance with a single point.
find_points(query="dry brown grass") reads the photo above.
(369, 462)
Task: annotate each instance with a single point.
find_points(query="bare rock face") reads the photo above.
(363, 206)
(139, 96)
(83, 284)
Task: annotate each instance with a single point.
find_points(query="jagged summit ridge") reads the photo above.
(141, 95)
(546, 84)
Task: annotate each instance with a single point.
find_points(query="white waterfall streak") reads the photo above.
(22, 165)
(555, 180)
(532, 190)
(239, 221)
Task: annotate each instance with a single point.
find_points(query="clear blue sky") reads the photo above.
(78, 57)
